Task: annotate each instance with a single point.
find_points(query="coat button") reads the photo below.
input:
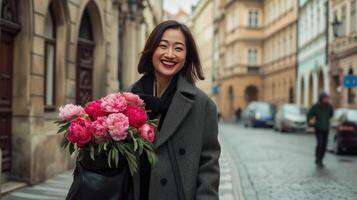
(163, 181)
(182, 151)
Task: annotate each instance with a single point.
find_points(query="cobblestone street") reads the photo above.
(256, 164)
(275, 166)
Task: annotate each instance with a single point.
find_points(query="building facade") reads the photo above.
(257, 56)
(201, 24)
(54, 52)
(342, 51)
(279, 51)
(313, 70)
(134, 30)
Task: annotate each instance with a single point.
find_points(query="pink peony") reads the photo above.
(117, 124)
(99, 129)
(79, 131)
(93, 109)
(147, 132)
(137, 116)
(133, 99)
(69, 111)
(114, 103)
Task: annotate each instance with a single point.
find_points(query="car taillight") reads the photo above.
(346, 128)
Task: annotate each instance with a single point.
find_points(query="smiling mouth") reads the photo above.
(168, 64)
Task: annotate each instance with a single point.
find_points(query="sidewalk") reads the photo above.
(56, 188)
(52, 189)
(230, 185)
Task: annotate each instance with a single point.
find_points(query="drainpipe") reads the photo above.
(121, 31)
(297, 53)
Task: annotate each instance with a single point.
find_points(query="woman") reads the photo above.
(186, 140)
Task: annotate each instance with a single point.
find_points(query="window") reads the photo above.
(230, 57)
(334, 17)
(353, 16)
(253, 19)
(252, 57)
(343, 21)
(50, 46)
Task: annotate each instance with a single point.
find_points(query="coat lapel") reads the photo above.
(180, 106)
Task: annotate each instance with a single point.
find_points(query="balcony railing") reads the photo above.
(342, 44)
(253, 69)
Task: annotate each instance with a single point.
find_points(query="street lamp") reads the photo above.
(336, 27)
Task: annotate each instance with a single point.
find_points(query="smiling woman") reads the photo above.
(169, 58)
(186, 140)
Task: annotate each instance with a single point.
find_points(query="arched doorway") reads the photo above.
(85, 60)
(10, 27)
(311, 91)
(291, 95)
(230, 102)
(250, 94)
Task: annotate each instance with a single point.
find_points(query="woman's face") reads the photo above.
(170, 56)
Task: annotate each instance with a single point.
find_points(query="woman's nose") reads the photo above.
(170, 53)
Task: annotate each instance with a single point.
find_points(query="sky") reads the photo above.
(174, 5)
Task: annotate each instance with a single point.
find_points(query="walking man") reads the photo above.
(321, 112)
(238, 114)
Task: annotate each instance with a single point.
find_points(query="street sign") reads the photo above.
(350, 81)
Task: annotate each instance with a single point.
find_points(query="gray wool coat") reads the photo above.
(187, 148)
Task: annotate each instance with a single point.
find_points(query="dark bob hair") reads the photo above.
(192, 68)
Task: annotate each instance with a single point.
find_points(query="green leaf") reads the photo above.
(80, 156)
(71, 148)
(131, 163)
(109, 158)
(105, 147)
(151, 157)
(91, 152)
(59, 122)
(116, 157)
(113, 154)
(135, 142)
(62, 129)
(64, 142)
(140, 146)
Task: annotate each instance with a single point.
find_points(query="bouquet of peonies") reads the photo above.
(115, 126)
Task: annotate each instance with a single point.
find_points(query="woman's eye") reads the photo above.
(179, 49)
(162, 46)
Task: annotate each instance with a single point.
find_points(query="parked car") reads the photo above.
(336, 116)
(345, 134)
(290, 117)
(259, 114)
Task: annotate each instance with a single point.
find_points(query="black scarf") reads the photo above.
(157, 106)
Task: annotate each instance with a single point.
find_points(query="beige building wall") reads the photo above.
(280, 50)
(35, 146)
(257, 53)
(239, 77)
(343, 52)
(202, 29)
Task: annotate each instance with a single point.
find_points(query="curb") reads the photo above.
(233, 189)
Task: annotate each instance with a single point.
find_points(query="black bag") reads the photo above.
(94, 180)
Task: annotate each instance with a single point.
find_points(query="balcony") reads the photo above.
(344, 46)
(253, 69)
(238, 69)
